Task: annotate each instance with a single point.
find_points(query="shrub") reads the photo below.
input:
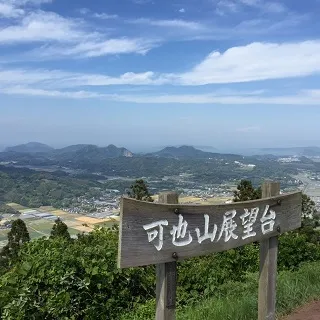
(61, 279)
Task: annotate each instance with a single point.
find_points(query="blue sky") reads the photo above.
(148, 73)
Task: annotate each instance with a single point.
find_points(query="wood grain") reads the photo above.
(166, 286)
(135, 250)
(268, 265)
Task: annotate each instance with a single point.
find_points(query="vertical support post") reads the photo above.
(268, 265)
(166, 276)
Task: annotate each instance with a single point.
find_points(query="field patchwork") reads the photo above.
(41, 220)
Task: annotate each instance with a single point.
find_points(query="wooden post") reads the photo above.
(268, 265)
(166, 276)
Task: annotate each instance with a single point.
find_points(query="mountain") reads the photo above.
(186, 152)
(114, 151)
(88, 152)
(73, 148)
(31, 147)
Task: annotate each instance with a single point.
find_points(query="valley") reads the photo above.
(83, 184)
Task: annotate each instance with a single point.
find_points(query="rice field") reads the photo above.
(39, 221)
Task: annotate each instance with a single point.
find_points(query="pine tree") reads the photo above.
(60, 229)
(17, 236)
(139, 191)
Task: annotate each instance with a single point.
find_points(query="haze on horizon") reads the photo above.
(147, 74)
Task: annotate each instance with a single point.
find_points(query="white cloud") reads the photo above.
(254, 62)
(182, 10)
(16, 8)
(225, 6)
(59, 79)
(191, 25)
(95, 48)
(42, 26)
(112, 46)
(30, 2)
(105, 16)
(275, 7)
(267, 6)
(84, 11)
(65, 37)
(25, 76)
(141, 1)
(62, 37)
(129, 78)
(26, 91)
(303, 98)
(7, 10)
(306, 97)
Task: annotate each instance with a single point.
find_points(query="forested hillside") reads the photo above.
(34, 189)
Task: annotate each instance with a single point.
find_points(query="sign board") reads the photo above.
(152, 233)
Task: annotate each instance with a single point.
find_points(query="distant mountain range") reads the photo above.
(84, 152)
(72, 152)
(31, 147)
(184, 152)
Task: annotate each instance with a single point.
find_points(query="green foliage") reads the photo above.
(139, 191)
(308, 207)
(60, 229)
(60, 279)
(202, 276)
(34, 189)
(239, 300)
(17, 236)
(245, 191)
(295, 249)
(7, 209)
(57, 278)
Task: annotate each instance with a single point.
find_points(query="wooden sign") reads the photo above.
(152, 233)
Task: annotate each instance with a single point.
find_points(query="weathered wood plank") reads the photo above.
(268, 265)
(140, 243)
(166, 276)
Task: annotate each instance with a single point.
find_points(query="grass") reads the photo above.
(16, 206)
(239, 300)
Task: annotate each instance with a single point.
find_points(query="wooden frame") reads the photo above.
(165, 232)
(152, 233)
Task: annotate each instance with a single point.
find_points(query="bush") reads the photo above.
(201, 277)
(295, 249)
(239, 300)
(59, 279)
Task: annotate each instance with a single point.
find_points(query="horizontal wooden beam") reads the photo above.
(153, 233)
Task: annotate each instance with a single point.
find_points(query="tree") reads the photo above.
(60, 279)
(245, 191)
(60, 229)
(310, 220)
(139, 191)
(308, 207)
(17, 236)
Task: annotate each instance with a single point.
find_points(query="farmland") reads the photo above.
(40, 221)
